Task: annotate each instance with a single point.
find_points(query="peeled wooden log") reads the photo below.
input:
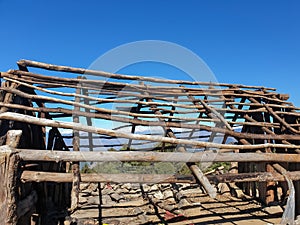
(76, 165)
(136, 156)
(69, 69)
(37, 176)
(81, 127)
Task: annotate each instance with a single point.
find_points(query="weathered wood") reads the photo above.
(13, 138)
(36, 176)
(80, 127)
(132, 87)
(56, 100)
(9, 168)
(8, 96)
(136, 156)
(281, 120)
(217, 114)
(193, 167)
(76, 165)
(249, 106)
(88, 119)
(145, 123)
(47, 66)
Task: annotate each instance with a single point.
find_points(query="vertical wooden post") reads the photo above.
(266, 194)
(76, 166)
(88, 120)
(9, 165)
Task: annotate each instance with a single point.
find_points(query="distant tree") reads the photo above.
(87, 169)
(165, 147)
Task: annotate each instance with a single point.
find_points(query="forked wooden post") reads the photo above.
(9, 165)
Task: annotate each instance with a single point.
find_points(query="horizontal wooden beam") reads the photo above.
(69, 69)
(113, 133)
(137, 156)
(35, 176)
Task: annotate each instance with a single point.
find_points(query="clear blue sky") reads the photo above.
(255, 42)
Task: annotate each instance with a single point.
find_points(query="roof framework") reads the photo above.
(145, 115)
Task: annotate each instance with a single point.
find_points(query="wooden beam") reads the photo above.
(113, 133)
(69, 69)
(136, 156)
(37, 176)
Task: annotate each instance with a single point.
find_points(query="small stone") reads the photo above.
(146, 188)
(85, 191)
(135, 186)
(95, 193)
(272, 210)
(84, 186)
(121, 191)
(154, 187)
(224, 189)
(84, 194)
(107, 191)
(133, 191)
(127, 186)
(133, 196)
(82, 200)
(183, 203)
(106, 200)
(159, 195)
(93, 200)
(116, 197)
(137, 210)
(165, 186)
(179, 195)
(143, 218)
(67, 223)
(115, 187)
(184, 186)
(92, 187)
(168, 194)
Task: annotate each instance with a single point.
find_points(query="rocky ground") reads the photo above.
(167, 204)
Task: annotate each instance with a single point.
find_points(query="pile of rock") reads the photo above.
(133, 203)
(176, 204)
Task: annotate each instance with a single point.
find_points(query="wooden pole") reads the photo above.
(47, 66)
(113, 133)
(76, 164)
(37, 176)
(9, 169)
(137, 156)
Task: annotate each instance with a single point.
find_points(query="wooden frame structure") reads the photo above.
(202, 122)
